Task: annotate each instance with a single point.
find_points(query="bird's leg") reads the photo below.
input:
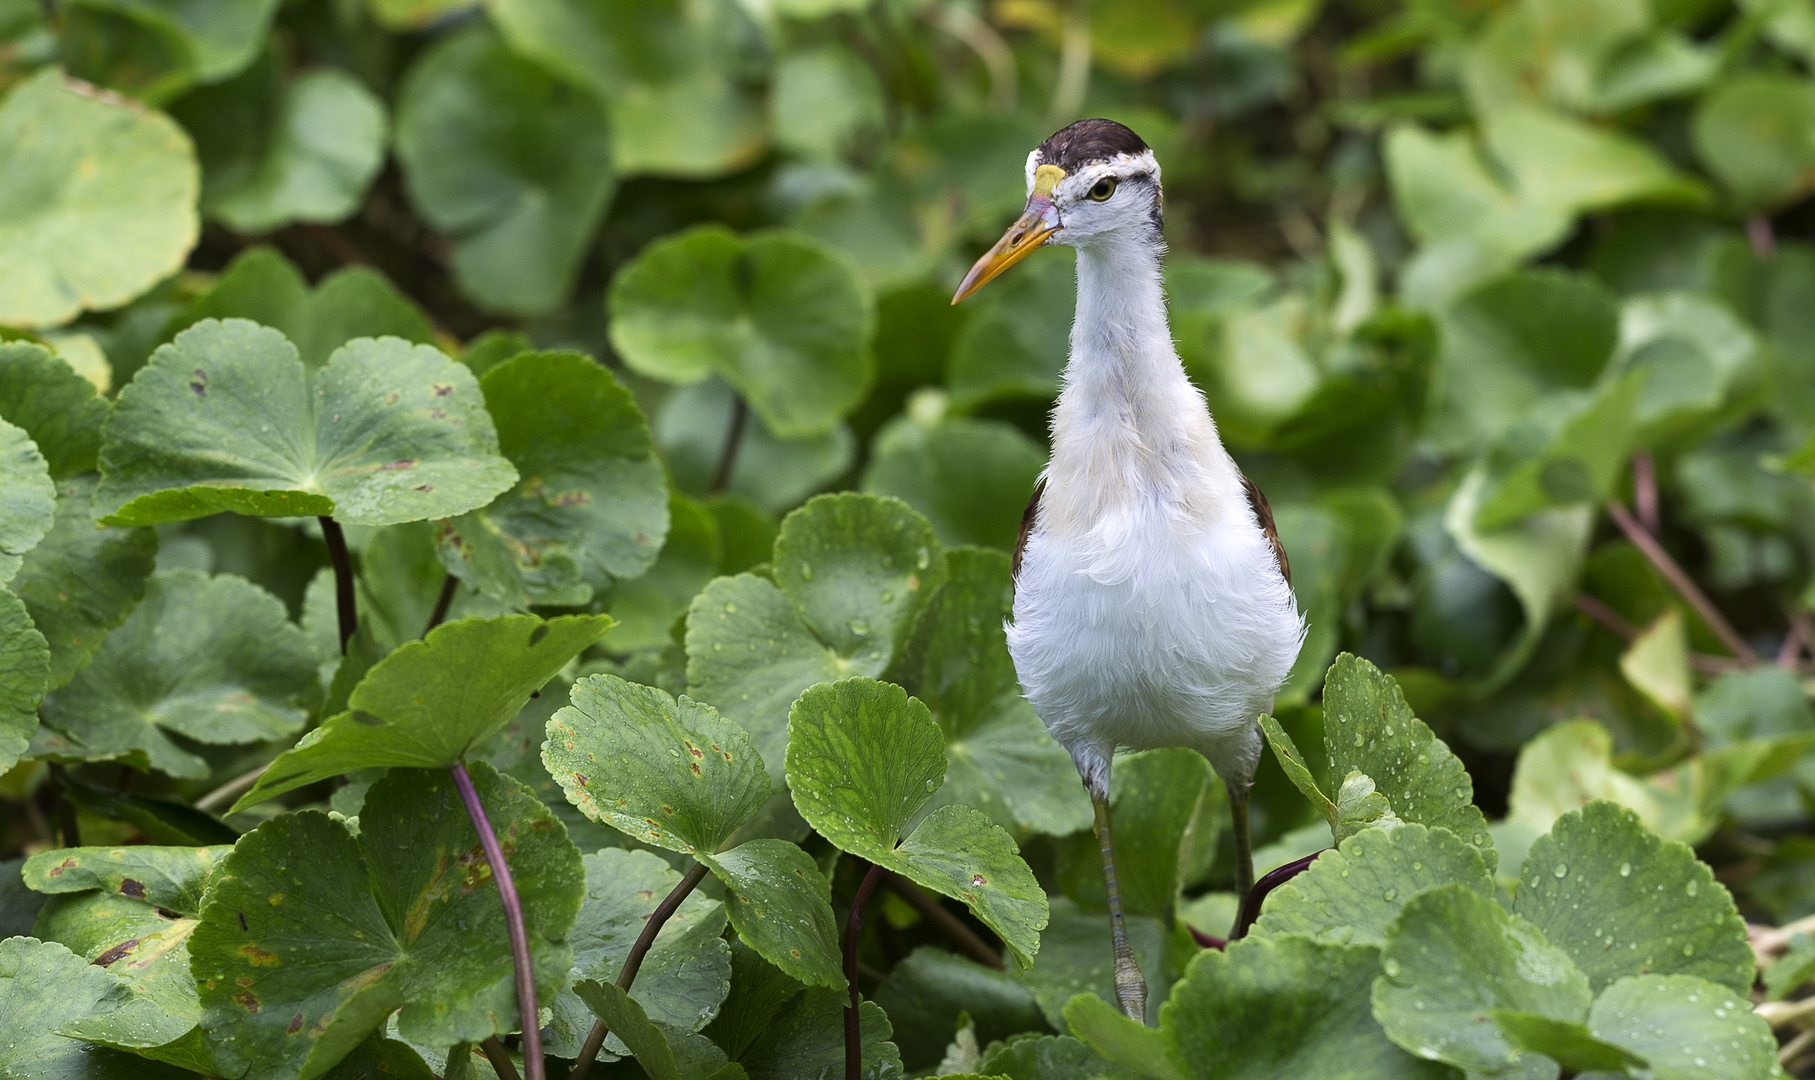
(1244, 843)
(1130, 988)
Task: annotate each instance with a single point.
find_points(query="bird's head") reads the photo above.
(1090, 183)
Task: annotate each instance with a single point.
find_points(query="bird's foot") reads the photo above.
(1130, 989)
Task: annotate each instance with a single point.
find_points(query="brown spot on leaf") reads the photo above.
(696, 769)
(57, 870)
(200, 383)
(694, 750)
(257, 956)
(134, 889)
(124, 948)
(246, 1000)
(296, 1022)
(977, 879)
(442, 389)
(425, 488)
(405, 463)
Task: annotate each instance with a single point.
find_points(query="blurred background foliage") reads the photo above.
(1509, 305)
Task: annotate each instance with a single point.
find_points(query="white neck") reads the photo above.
(1129, 425)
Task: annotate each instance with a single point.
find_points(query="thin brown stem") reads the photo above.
(338, 246)
(1644, 491)
(1685, 586)
(1615, 622)
(500, 1059)
(627, 972)
(1801, 624)
(1761, 235)
(734, 438)
(1768, 941)
(442, 603)
(527, 1012)
(1795, 1047)
(346, 602)
(853, 930)
(968, 941)
(231, 790)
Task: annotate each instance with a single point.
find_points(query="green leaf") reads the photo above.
(353, 302)
(132, 911)
(928, 990)
(969, 477)
(686, 972)
(1292, 762)
(1622, 902)
(81, 582)
(511, 163)
(663, 1052)
(1539, 559)
(31, 1016)
(1514, 339)
(1454, 957)
(667, 75)
(1127, 1042)
(28, 499)
(1572, 449)
(806, 1038)
(104, 196)
(692, 424)
(1350, 896)
(1752, 133)
(823, 101)
(222, 36)
(1015, 344)
(1694, 350)
(863, 759)
(430, 701)
(226, 418)
(162, 821)
(1789, 972)
(215, 660)
(849, 575)
(646, 606)
(57, 407)
(1368, 727)
(673, 774)
(1043, 1057)
(309, 929)
(999, 758)
(780, 905)
(24, 678)
(1686, 1028)
(781, 319)
(275, 151)
(590, 505)
(1569, 1044)
(1286, 1007)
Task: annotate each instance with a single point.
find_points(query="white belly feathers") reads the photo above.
(1148, 630)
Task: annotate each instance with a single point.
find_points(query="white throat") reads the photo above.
(1130, 430)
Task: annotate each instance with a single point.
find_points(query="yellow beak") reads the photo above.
(1040, 221)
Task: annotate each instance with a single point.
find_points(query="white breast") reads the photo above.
(1149, 631)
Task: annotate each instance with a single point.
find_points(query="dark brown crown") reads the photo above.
(1087, 141)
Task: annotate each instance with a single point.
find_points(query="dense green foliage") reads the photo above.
(610, 343)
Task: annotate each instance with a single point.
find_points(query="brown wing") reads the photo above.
(1027, 527)
(1262, 514)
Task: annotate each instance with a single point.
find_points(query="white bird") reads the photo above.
(1153, 604)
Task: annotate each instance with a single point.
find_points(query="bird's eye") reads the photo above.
(1103, 190)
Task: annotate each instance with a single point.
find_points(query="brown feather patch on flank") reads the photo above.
(1263, 516)
(1028, 517)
